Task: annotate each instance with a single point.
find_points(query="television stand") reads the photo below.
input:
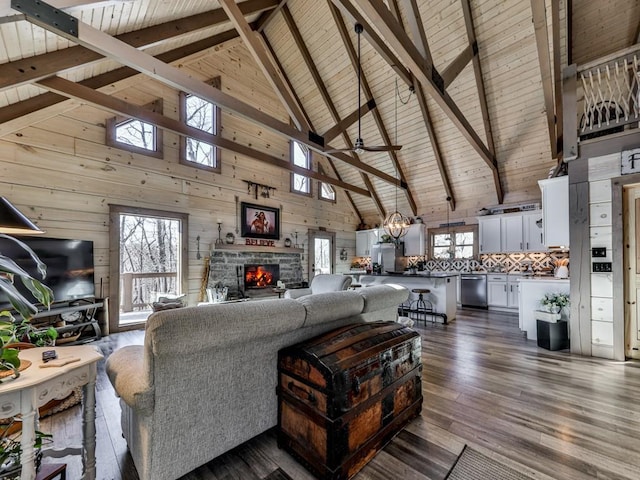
(75, 322)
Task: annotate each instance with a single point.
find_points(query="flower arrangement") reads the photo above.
(554, 302)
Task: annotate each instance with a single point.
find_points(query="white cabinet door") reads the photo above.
(362, 243)
(555, 211)
(489, 232)
(375, 236)
(414, 240)
(533, 238)
(511, 231)
(513, 294)
(497, 290)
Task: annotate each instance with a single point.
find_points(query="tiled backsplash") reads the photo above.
(497, 262)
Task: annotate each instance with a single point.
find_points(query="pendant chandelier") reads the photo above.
(396, 224)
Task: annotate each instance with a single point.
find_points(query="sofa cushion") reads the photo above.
(378, 297)
(326, 307)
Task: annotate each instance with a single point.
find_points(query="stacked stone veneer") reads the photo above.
(223, 267)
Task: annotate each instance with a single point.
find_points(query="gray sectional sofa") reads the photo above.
(205, 379)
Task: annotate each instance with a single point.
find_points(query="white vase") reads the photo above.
(562, 272)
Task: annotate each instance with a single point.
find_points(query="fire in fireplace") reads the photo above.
(261, 275)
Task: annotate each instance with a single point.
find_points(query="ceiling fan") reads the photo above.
(358, 145)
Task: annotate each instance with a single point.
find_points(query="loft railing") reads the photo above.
(610, 92)
(140, 290)
(600, 98)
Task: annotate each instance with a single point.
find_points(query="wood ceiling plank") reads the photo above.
(33, 68)
(254, 42)
(538, 12)
(392, 32)
(120, 107)
(174, 77)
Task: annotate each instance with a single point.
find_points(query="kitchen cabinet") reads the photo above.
(513, 292)
(414, 240)
(532, 228)
(489, 234)
(497, 290)
(365, 239)
(511, 232)
(502, 291)
(555, 211)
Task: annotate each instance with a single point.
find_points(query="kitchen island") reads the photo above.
(443, 286)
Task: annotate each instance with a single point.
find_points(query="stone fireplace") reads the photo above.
(228, 268)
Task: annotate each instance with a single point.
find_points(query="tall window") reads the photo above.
(135, 135)
(199, 113)
(455, 242)
(300, 157)
(326, 191)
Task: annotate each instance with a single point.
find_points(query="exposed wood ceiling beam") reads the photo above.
(264, 22)
(392, 32)
(420, 38)
(452, 71)
(21, 110)
(176, 78)
(31, 69)
(542, 43)
(349, 120)
(482, 92)
(346, 40)
(319, 83)
(120, 107)
(255, 44)
(329, 160)
(557, 74)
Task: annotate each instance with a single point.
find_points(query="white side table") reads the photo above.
(36, 386)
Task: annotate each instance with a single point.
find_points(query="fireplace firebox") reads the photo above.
(261, 275)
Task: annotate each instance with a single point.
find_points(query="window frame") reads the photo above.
(320, 184)
(112, 124)
(453, 230)
(309, 157)
(217, 116)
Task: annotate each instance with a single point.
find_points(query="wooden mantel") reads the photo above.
(257, 248)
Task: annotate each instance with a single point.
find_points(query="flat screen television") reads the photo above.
(70, 267)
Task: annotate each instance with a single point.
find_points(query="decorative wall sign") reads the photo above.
(630, 161)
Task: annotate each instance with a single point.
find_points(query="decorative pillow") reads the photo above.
(159, 306)
(167, 298)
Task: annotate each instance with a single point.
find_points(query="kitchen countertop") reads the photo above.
(419, 274)
(542, 278)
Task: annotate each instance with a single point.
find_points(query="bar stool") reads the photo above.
(421, 307)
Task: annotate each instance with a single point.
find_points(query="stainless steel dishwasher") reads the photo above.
(473, 290)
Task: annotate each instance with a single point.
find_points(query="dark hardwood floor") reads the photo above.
(549, 414)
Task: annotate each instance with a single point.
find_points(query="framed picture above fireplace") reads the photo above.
(259, 221)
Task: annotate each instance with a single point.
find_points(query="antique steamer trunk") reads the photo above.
(343, 396)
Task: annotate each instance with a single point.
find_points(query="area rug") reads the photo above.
(473, 465)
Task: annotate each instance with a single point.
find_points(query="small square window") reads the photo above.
(135, 135)
(300, 157)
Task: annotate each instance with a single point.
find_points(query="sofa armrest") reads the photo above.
(297, 293)
(126, 371)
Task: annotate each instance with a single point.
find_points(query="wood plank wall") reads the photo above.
(60, 173)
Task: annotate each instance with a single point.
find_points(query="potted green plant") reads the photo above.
(554, 302)
(14, 330)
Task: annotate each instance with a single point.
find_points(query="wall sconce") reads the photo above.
(343, 254)
(219, 239)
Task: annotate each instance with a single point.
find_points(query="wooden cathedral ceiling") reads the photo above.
(476, 107)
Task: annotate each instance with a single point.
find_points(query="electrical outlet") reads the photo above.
(599, 252)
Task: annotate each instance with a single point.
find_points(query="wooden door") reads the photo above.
(632, 271)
